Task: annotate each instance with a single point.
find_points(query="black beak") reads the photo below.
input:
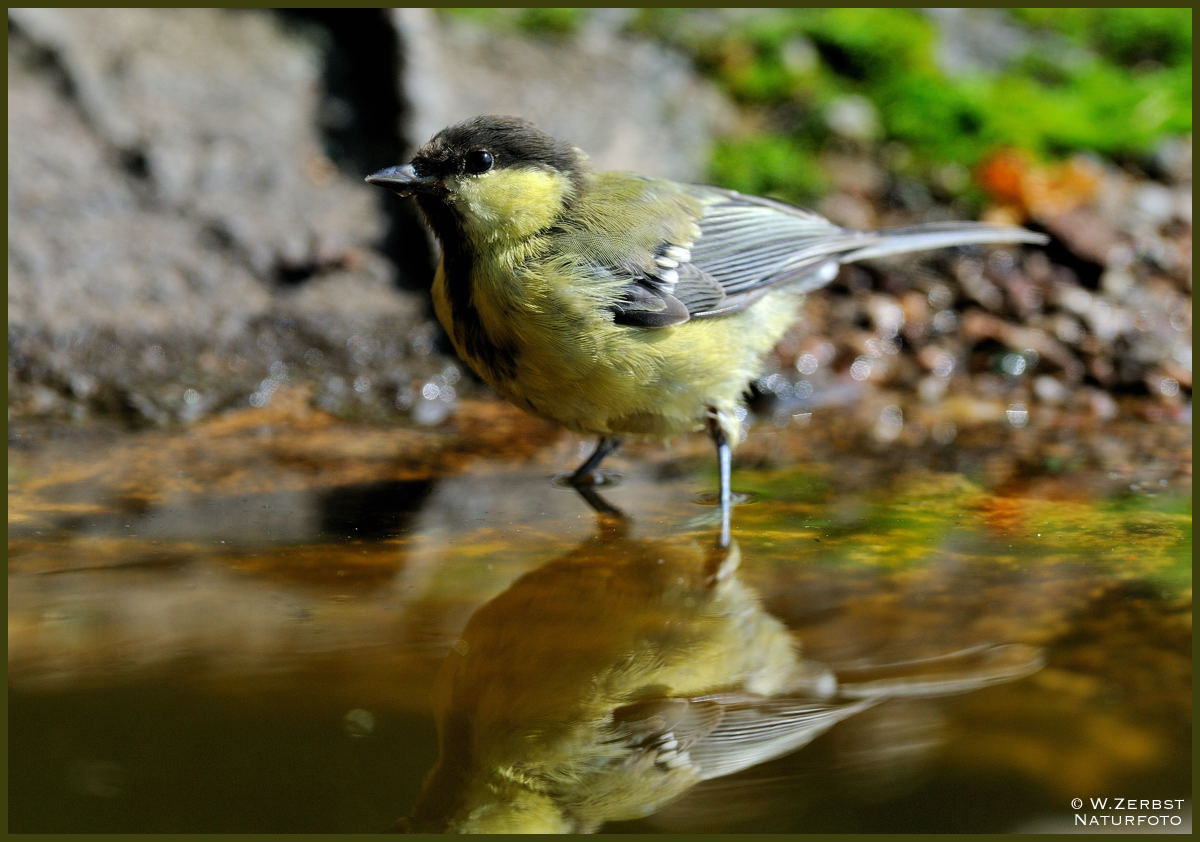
(404, 180)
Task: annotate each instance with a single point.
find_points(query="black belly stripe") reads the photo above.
(499, 359)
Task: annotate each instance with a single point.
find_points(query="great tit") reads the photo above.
(610, 681)
(616, 303)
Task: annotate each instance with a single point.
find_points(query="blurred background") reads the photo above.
(189, 231)
(254, 498)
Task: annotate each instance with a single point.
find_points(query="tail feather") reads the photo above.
(945, 675)
(939, 235)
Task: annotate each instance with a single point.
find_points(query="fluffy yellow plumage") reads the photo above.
(618, 304)
(610, 681)
(576, 365)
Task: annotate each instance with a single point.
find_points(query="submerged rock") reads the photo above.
(176, 230)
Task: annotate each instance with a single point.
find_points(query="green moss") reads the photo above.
(769, 165)
(482, 16)
(1117, 83)
(1114, 82)
(1128, 37)
(552, 21)
(873, 45)
(538, 21)
(919, 519)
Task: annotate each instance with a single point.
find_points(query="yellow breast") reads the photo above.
(546, 341)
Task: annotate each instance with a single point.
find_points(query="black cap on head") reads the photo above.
(511, 142)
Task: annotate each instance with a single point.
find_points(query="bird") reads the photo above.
(610, 681)
(620, 304)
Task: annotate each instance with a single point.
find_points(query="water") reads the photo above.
(251, 625)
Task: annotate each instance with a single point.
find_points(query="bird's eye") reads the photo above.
(478, 161)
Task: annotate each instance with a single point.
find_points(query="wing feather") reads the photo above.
(755, 730)
(718, 251)
(723, 733)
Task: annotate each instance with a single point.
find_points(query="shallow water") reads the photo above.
(240, 626)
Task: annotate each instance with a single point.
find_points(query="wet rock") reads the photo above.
(170, 201)
(854, 118)
(1086, 232)
(974, 40)
(188, 225)
(628, 103)
(1107, 300)
(189, 231)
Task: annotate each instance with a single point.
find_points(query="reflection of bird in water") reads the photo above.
(607, 683)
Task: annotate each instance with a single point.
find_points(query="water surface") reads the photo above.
(240, 626)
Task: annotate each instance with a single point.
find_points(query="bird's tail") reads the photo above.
(938, 235)
(942, 675)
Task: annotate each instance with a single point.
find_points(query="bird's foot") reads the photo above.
(713, 498)
(590, 479)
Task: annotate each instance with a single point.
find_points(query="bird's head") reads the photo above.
(494, 179)
(494, 809)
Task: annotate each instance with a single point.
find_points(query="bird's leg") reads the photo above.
(724, 463)
(585, 474)
(612, 524)
(722, 563)
(601, 506)
(584, 479)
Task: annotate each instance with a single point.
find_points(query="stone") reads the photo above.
(625, 101)
(169, 197)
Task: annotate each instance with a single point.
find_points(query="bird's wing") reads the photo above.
(723, 733)
(754, 730)
(748, 245)
(681, 252)
(631, 234)
(664, 725)
(690, 251)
